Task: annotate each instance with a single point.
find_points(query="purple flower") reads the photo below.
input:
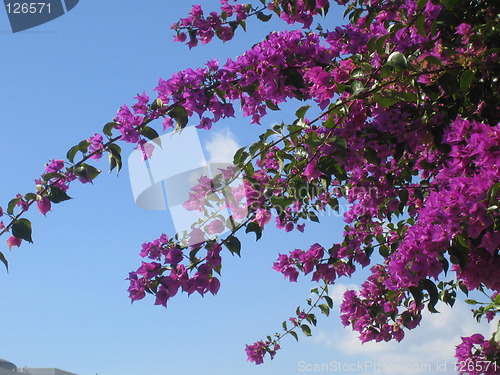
(215, 226)
(256, 352)
(136, 289)
(311, 172)
(196, 237)
(214, 285)
(262, 217)
(149, 270)
(96, 147)
(146, 149)
(13, 241)
(43, 205)
(173, 256)
(54, 166)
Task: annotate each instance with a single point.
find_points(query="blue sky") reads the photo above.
(64, 303)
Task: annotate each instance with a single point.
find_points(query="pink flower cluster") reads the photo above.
(256, 351)
(457, 200)
(372, 310)
(312, 260)
(153, 277)
(477, 356)
(203, 28)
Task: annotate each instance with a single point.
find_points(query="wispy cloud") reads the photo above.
(221, 146)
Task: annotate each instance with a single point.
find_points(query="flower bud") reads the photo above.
(157, 103)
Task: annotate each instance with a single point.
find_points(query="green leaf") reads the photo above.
(70, 155)
(115, 158)
(433, 60)
(370, 17)
(380, 44)
(281, 203)
(433, 294)
(354, 16)
(463, 288)
(385, 71)
(371, 156)
(466, 79)
(294, 335)
(151, 134)
(312, 216)
(386, 101)
(311, 318)
(83, 146)
(449, 297)
(56, 195)
(249, 170)
(264, 17)
(450, 4)
(324, 309)
(22, 229)
(180, 115)
(255, 228)
(358, 73)
(301, 112)
(420, 24)
(449, 83)
(49, 176)
(233, 244)
(306, 329)
(240, 156)
(403, 196)
(444, 262)
(4, 261)
(257, 146)
(272, 106)
(284, 325)
(329, 301)
(107, 129)
(156, 104)
(329, 166)
(12, 204)
(243, 24)
(87, 172)
(330, 122)
(357, 87)
(417, 294)
(406, 96)
(395, 27)
(496, 336)
(333, 203)
(397, 60)
(30, 196)
(461, 240)
(458, 254)
(421, 4)
(471, 302)
(370, 45)
(310, 5)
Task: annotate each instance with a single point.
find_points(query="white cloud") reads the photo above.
(338, 290)
(221, 146)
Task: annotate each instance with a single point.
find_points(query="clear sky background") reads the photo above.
(65, 304)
